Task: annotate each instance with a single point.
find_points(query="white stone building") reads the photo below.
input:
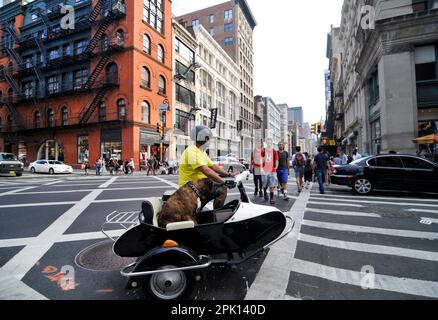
(217, 88)
(384, 73)
(184, 88)
(272, 121)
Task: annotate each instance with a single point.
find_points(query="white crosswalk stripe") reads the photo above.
(336, 227)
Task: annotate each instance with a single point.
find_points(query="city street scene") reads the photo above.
(218, 150)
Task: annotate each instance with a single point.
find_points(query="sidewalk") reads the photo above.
(273, 278)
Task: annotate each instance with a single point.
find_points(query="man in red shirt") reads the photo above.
(269, 170)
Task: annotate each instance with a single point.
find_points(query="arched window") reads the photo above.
(105, 43)
(37, 119)
(161, 85)
(160, 53)
(145, 77)
(50, 118)
(145, 112)
(102, 111)
(112, 73)
(120, 35)
(121, 105)
(64, 113)
(146, 44)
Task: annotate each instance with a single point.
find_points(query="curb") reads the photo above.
(273, 278)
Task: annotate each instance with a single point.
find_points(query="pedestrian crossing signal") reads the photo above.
(158, 128)
(324, 141)
(314, 128)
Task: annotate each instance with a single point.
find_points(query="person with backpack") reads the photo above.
(283, 170)
(308, 171)
(298, 163)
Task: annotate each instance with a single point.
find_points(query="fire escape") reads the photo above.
(7, 73)
(104, 13)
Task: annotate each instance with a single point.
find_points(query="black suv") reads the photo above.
(9, 164)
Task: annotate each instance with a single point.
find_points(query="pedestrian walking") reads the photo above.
(299, 163)
(131, 166)
(126, 167)
(356, 155)
(269, 171)
(103, 170)
(86, 167)
(308, 172)
(283, 170)
(328, 171)
(98, 167)
(319, 165)
(112, 166)
(257, 163)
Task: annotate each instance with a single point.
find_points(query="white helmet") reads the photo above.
(201, 134)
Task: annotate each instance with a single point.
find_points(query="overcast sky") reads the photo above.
(290, 47)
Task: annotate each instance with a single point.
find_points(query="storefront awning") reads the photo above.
(430, 139)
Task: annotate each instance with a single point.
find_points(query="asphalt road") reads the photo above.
(384, 246)
(51, 224)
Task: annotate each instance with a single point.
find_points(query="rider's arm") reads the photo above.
(213, 174)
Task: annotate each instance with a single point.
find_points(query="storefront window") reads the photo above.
(51, 150)
(83, 149)
(111, 150)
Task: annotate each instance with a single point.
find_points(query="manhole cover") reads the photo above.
(100, 257)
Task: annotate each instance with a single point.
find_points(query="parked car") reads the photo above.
(50, 166)
(229, 164)
(9, 164)
(388, 172)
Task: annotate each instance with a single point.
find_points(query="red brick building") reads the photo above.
(90, 92)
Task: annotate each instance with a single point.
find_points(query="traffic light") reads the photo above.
(158, 128)
(319, 128)
(314, 128)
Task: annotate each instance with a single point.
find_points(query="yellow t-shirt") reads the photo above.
(191, 160)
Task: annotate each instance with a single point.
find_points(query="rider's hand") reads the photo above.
(230, 184)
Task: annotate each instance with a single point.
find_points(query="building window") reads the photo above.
(145, 78)
(105, 43)
(121, 106)
(184, 121)
(228, 27)
(153, 13)
(64, 115)
(373, 89)
(28, 89)
(212, 32)
(80, 47)
(102, 111)
(53, 54)
(37, 120)
(160, 53)
(66, 50)
(80, 78)
(184, 95)
(145, 112)
(228, 15)
(161, 85)
(83, 149)
(375, 137)
(426, 66)
(146, 44)
(229, 41)
(181, 69)
(184, 50)
(50, 118)
(211, 18)
(120, 36)
(195, 23)
(53, 85)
